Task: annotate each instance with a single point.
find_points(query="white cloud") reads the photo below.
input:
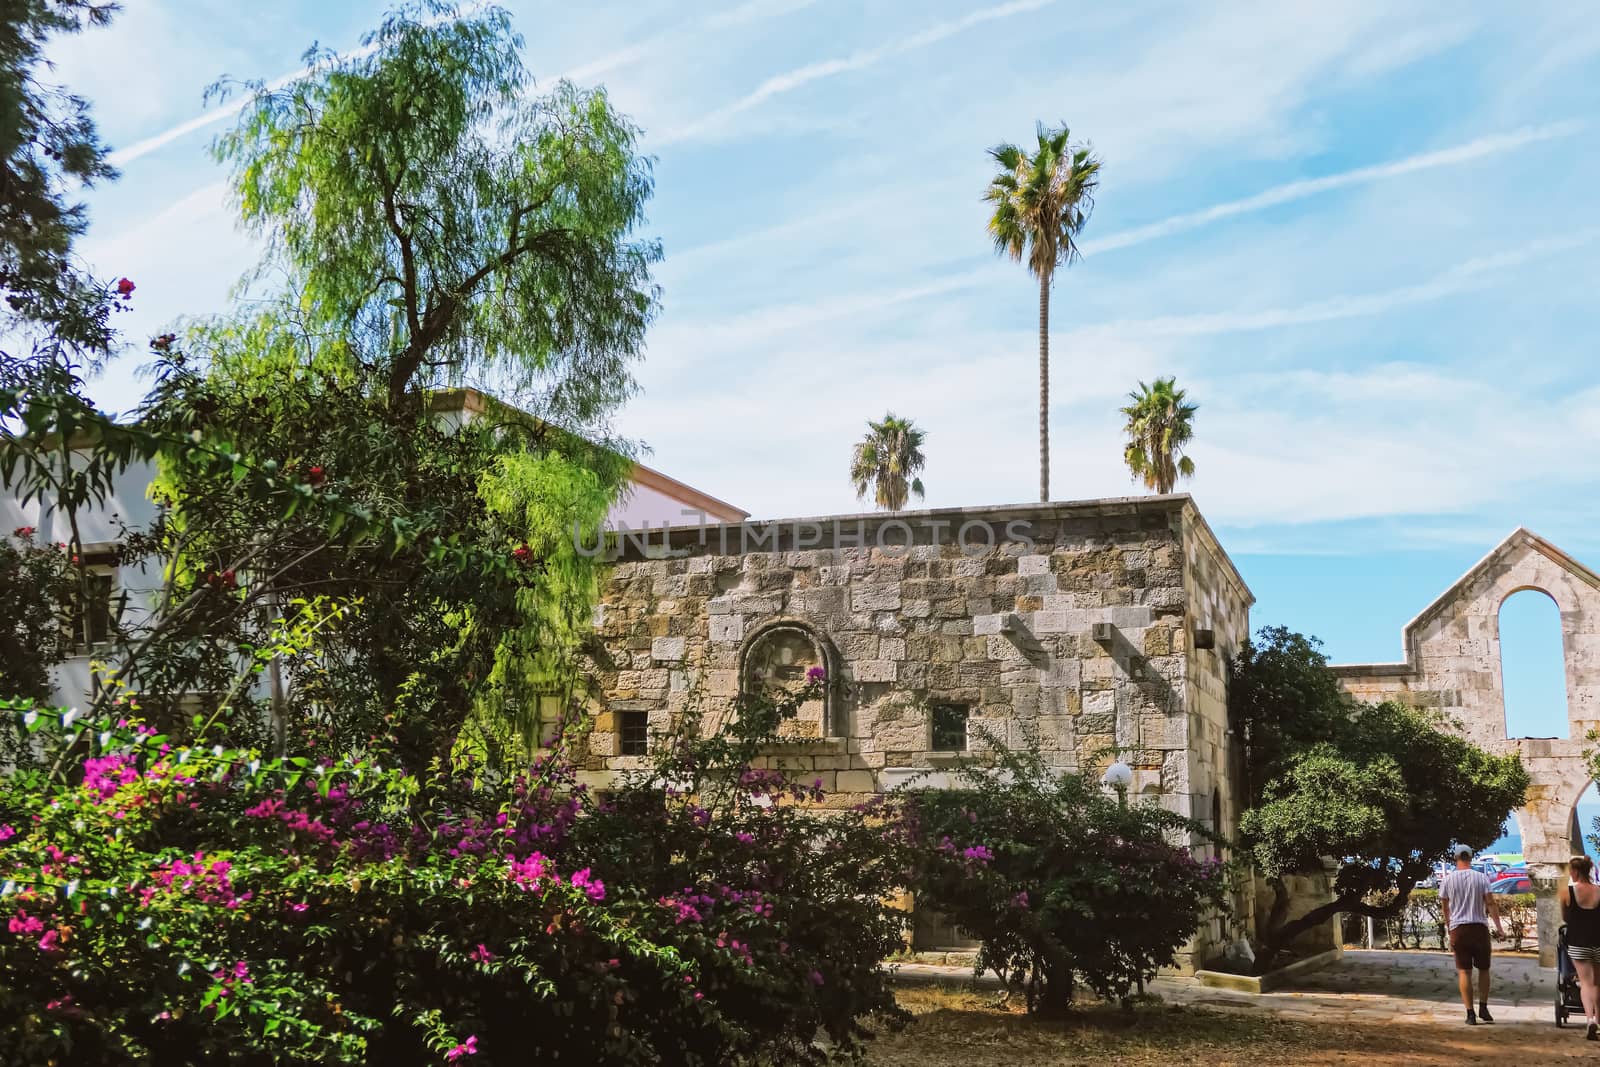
(1459, 278)
(1289, 192)
(755, 11)
(777, 85)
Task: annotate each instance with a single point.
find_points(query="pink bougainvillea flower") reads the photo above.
(50, 942)
(528, 873)
(816, 674)
(593, 887)
(469, 1047)
(25, 924)
(7, 833)
(481, 954)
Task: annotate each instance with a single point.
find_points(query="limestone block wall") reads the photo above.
(992, 610)
(1074, 623)
(1452, 664)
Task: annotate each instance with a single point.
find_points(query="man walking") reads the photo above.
(1468, 906)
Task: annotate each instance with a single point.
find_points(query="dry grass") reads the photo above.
(954, 1028)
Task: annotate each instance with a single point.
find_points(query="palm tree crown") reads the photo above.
(1041, 202)
(887, 460)
(1160, 423)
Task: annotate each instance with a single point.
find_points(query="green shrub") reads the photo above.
(198, 904)
(1060, 883)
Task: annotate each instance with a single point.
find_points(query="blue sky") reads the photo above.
(1363, 236)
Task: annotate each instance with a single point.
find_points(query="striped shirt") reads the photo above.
(1464, 890)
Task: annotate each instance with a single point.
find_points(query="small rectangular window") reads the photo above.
(90, 606)
(634, 728)
(950, 727)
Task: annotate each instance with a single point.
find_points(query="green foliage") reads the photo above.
(1160, 424)
(1060, 883)
(1042, 199)
(439, 221)
(886, 462)
(186, 904)
(1385, 789)
(35, 584)
(433, 571)
(48, 149)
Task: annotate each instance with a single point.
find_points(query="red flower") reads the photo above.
(125, 288)
(522, 553)
(22, 533)
(316, 476)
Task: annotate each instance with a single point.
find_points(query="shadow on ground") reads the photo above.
(1373, 1007)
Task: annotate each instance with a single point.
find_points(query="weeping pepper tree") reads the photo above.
(429, 221)
(1385, 790)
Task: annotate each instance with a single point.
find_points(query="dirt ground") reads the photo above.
(962, 1029)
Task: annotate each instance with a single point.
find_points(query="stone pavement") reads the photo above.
(1366, 985)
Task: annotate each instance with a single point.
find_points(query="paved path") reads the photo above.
(1367, 985)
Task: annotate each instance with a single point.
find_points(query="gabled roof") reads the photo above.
(1520, 538)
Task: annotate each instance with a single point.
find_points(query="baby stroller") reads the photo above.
(1568, 999)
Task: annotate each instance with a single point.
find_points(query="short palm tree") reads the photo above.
(1160, 423)
(887, 460)
(1041, 201)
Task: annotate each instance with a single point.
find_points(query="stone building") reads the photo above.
(1095, 625)
(1453, 664)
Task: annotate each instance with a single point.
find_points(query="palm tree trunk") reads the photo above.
(1044, 387)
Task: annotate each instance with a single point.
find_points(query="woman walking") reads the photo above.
(1581, 912)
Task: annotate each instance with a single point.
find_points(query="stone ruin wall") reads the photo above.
(931, 624)
(1452, 664)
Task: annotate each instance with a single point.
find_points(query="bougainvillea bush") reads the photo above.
(179, 905)
(1060, 883)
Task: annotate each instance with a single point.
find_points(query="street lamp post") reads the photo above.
(1118, 776)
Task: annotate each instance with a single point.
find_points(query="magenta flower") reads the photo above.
(816, 977)
(594, 887)
(25, 924)
(528, 873)
(7, 833)
(469, 1047)
(50, 942)
(816, 674)
(481, 954)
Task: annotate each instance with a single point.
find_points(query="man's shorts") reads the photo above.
(1470, 943)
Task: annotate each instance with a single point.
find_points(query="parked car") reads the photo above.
(1516, 883)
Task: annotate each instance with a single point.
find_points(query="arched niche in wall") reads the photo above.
(1533, 670)
(778, 657)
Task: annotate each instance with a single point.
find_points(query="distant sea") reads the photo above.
(1512, 839)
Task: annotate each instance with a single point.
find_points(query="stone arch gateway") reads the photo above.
(1452, 663)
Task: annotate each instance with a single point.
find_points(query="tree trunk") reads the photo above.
(1044, 387)
(1056, 1000)
(1279, 933)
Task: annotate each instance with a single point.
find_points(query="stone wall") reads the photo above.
(1452, 664)
(1075, 623)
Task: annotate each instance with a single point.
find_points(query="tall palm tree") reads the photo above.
(887, 460)
(1160, 423)
(1041, 201)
